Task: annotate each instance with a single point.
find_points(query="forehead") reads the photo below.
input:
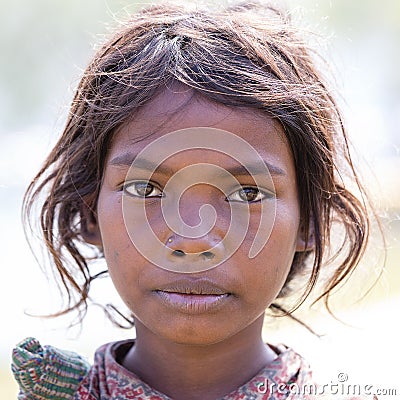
(181, 108)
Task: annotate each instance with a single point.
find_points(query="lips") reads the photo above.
(193, 286)
(193, 296)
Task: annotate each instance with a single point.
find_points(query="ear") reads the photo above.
(90, 230)
(303, 243)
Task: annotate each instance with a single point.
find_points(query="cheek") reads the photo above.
(281, 245)
(119, 251)
(111, 224)
(275, 229)
(271, 266)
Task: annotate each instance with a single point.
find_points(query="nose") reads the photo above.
(194, 252)
(192, 202)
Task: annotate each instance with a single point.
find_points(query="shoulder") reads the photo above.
(108, 378)
(46, 372)
(290, 376)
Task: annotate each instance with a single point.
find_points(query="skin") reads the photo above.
(185, 355)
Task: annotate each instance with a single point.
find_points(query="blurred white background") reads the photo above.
(45, 44)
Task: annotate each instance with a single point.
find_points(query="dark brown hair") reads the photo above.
(246, 55)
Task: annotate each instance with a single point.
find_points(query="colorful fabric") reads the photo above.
(48, 373)
(109, 380)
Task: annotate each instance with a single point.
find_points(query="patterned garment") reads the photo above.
(108, 380)
(45, 373)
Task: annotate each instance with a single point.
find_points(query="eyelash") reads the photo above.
(145, 184)
(261, 194)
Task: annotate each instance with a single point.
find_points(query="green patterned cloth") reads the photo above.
(46, 372)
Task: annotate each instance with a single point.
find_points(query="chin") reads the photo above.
(192, 334)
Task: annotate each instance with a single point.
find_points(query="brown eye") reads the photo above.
(142, 189)
(249, 195)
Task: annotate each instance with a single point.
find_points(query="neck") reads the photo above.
(193, 372)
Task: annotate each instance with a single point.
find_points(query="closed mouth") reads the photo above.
(193, 296)
(193, 287)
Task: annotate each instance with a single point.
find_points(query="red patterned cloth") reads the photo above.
(48, 373)
(280, 380)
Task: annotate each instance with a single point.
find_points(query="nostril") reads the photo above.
(178, 253)
(208, 255)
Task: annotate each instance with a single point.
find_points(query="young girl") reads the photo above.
(200, 159)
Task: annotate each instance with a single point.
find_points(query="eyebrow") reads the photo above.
(127, 159)
(257, 168)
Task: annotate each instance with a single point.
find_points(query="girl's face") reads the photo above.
(214, 304)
